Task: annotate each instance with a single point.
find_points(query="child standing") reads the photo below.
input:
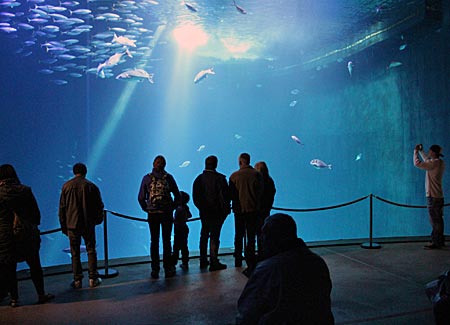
(181, 232)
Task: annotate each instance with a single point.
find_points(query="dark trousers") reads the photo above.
(163, 222)
(33, 261)
(245, 224)
(211, 228)
(436, 213)
(261, 218)
(180, 243)
(88, 236)
(8, 280)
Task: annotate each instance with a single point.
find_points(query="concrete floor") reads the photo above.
(378, 286)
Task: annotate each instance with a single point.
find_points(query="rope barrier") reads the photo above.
(138, 219)
(404, 205)
(324, 208)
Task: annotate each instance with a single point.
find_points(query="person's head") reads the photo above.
(436, 151)
(211, 162)
(7, 171)
(244, 159)
(79, 169)
(184, 197)
(279, 233)
(159, 163)
(261, 166)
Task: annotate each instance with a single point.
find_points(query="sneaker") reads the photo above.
(431, 246)
(204, 264)
(217, 266)
(42, 299)
(184, 266)
(155, 274)
(169, 272)
(94, 282)
(76, 284)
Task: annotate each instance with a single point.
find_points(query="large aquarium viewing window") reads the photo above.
(332, 95)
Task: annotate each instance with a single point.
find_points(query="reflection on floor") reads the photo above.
(379, 286)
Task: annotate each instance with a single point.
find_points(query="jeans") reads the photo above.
(163, 222)
(211, 228)
(436, 213)
(180, 243)
(75, 242)
(245, 224)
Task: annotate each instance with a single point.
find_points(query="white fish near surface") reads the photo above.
(112, 61)
(402, 47)
(136, 74)
(237, 136)
(124, 40)
(319, 164)
(185, 164)
(296, 139)
(203, 74)
(201, 148)
(358, 157)
(350, 67)
(394, 64)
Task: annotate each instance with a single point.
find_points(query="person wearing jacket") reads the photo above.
(291, 285)
(246, 190)
(267, 199)
(155, 198)
(80, 210)
(434, 167)
(210, 194)
(19, 235)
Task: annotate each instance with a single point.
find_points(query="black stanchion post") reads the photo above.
(107, 272)
(371, 244)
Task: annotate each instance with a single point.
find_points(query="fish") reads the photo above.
(203, 74)
(394, 64)
(201, 148)
(239, 8)
(295, 91)
(293, 103)
(350, 67)
(123, 40)
(296, 139)
(237, 136)
(190, 7)
(82, 249)
(185, 164)
(358, 157)
(402, 47)
(319, 164)
(60, 82)
(136, 74)
(113, 60)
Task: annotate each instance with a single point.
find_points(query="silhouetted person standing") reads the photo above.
(246, 190)
(155, 198)
(267, 198)
(19, 235)
(80, 210)
(291, 285)
(435, 168)
(211, 196)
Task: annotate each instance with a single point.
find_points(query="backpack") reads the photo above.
(159, 193)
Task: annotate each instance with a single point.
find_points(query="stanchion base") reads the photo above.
(111, 273)
(370, 245)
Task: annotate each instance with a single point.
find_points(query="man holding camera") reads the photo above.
(434, 167)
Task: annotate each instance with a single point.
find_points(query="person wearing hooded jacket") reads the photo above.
(291, 285)
(18, 206)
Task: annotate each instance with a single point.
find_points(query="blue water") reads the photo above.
(281, 70)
